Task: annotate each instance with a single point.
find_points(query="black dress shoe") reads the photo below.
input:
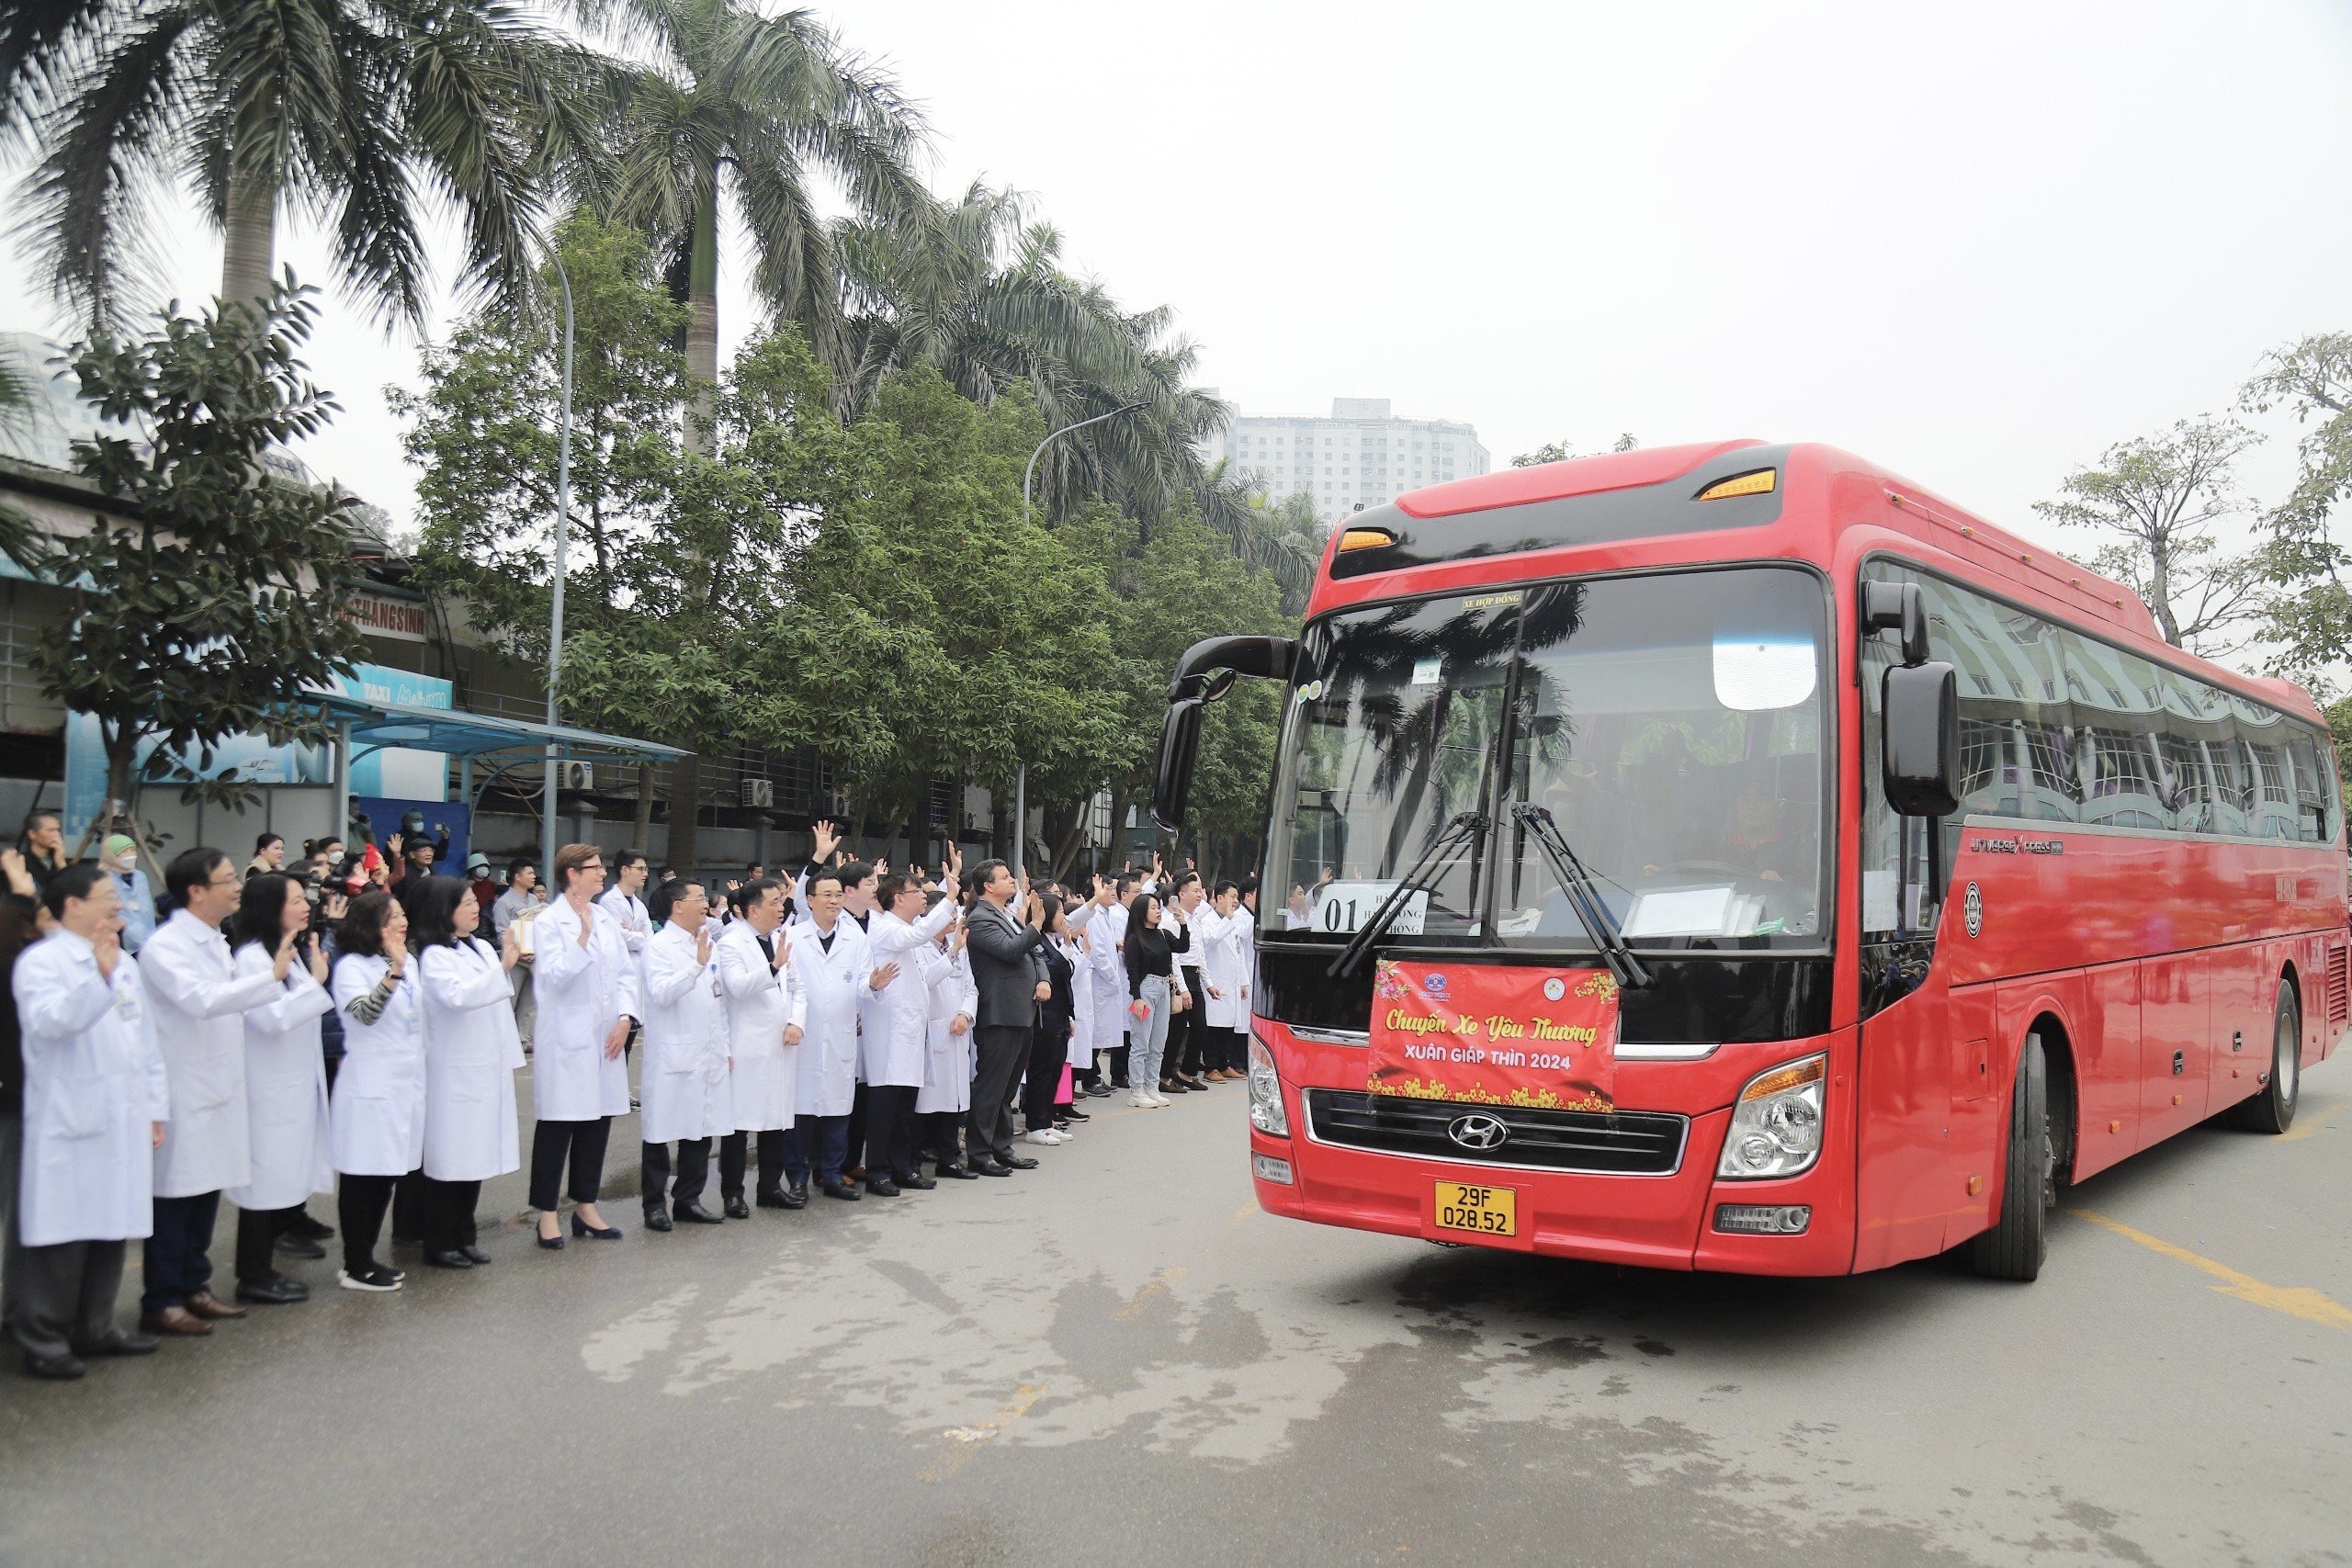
(57, 1368)
(882, 1187)
(957, 1173)
(1099, 1090)
(737, 1209)
(300, 1223)
(696, 1214)
(982, 1165)
(796, 1195)
(120, 1343)
(774, 1197)
(657, 1220)
(1195, 1084)
(1071, 1114)
(276, 1290)
(841, 1189)
(1019, 1162)
(476, 1254)
(452, 1259)
(1174, 1086)
(595, 1233)
(916, 1180)
(294, 1243)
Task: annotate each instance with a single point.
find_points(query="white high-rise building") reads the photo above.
(1360, 457)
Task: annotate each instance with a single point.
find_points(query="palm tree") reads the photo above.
(350, 109)
(736, 110)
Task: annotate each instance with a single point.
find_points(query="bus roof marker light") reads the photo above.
(1760, 482)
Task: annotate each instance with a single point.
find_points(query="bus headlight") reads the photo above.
(1266, 1112)
(1776, 1126)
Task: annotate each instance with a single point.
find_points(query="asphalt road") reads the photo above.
(1117, 1358)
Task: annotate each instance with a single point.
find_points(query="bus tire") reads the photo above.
(2014, 1247)
(2273, 1110)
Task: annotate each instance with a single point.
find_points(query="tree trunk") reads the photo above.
(249, 239)
(702, 366)
(642, 840)
(685, 794)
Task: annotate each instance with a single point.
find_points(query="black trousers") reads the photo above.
(62, 1297)
(939, 1134)
(1119, 1066)
(359, 1204)
(890, 1129)
(1229, 1049)
(819, 1144)
(694, 1173)
(859, 1113)
(1002, 1051)
(734, 1152)
(583, 1143)
(1049, 1049)
(448, 1217)
(175, 1264)
(1186, 1034)
(257, 1234)
(407, 1206)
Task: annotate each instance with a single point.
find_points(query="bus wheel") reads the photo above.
(2273, 1111)
(2014, 1247)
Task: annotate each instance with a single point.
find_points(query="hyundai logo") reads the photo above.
(1478, 1131)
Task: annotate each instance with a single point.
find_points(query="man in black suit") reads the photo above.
(1010, 972)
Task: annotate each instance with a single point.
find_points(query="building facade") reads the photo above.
(1362, 455)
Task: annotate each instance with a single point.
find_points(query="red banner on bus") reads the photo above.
(1492, 1035)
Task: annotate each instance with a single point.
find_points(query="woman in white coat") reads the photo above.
(684, 1077)
(766, 1014)
(947, 1062)
(286, 1083)
(585, 978)
(376, 1123)
(472, 1049)
(896, 1033)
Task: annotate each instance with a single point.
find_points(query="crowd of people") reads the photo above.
(353, 1025)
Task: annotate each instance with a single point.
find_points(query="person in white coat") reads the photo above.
(197, 1000)
(897, 1037)
(1225, 1010)
(97, 1095)
(286, 1084)
(684, 1077)
(624, 901)
(471, 1050)
(376, 1113)
(766, 1014)
(1102, 921)
(586, 981)
(831, 966)
(947, 1062)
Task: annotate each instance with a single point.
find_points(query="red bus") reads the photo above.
(1933, 879)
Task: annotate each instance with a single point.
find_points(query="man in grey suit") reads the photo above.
(1010, 972)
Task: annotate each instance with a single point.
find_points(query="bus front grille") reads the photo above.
(1626, 1142)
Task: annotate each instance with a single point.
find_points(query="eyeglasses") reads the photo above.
(216, 881)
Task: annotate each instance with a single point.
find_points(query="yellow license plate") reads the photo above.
(1482, 1210)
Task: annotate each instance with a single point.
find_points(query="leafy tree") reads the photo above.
(219, 596)
(1560, 451)
(2311, 621)
(2155, 501)
(343, 108)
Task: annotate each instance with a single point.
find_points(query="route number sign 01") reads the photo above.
(1343, 907)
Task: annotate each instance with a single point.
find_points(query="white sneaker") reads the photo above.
(1041, 1136)
(1143, 1102)
(1159, 1099)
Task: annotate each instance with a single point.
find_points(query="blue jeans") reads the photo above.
(175, 1267)
(1148, 1036)
(827, 1137)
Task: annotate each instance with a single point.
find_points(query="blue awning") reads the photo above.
(476, 734)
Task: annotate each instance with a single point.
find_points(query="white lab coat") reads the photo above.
(376, 1125)
(947, 1063)
(830, 984)
(1081, 1004)
(637, 926)
(471, 1050)
(94, 1084)
(897, 1035)
(1245, 945)
(685, 1086)
(196, 997)
(581, 992)
(763, 1081)
(1102, 989)
(1221, 970)
(285, 1089)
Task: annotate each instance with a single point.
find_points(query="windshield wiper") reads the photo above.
(1584, 897)
(1469, 827)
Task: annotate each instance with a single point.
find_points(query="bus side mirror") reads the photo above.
(1180, 746)
(1897, 607)
(1919, 750)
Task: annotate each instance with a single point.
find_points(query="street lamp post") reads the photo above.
(1021, 779)
(555, 615)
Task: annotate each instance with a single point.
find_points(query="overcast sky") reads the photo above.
(1975, 244)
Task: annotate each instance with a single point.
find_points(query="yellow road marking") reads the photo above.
(2317, 1124)
(967, 1439)
(1242, 1214)
(2312, 1306)
(1159, 1283)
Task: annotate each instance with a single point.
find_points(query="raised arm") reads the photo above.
(60, 998)
(297, 999)
(180, 980)
(670, 971)
(457, 984)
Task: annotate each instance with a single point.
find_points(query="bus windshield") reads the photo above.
(1671, 724)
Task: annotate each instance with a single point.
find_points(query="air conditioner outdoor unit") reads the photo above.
(759, 793)
(579, 775)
